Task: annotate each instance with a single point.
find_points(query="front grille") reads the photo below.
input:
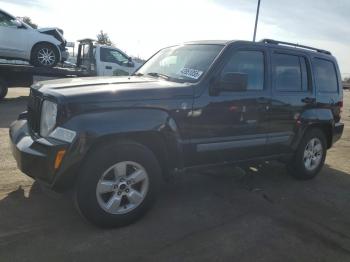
(34, 112)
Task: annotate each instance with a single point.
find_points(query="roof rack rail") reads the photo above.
(276, 42)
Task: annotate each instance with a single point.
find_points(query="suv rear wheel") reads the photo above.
(45, 55)
(310, 155)
(117, 184)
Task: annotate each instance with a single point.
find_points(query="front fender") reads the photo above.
(117, 121)
(96, 126)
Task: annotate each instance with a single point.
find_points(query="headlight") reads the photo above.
(48, 117)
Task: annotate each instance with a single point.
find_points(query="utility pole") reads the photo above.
(256, 20)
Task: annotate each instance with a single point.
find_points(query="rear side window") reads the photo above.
(250, 63)
(290, 73)
(325, 75)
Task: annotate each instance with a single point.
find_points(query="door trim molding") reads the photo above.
(222, 143)
(230, 144)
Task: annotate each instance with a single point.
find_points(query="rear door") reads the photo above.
(292, 93)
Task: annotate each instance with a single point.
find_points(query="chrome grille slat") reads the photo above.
(34, 112)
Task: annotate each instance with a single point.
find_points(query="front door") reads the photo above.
(12, 38)
(233, 125)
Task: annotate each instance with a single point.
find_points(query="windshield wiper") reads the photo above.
(166, 77)
(138, 74)
(159, 75)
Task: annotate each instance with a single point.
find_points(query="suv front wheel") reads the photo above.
(310, 155)
(44, 55)
(117, 184)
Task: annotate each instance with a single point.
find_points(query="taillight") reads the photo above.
(340, 104)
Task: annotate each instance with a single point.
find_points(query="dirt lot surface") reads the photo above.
(220, 215)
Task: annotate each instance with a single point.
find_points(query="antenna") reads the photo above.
(256, 20)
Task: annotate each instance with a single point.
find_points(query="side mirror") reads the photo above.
(130, 63)
(17, 23)
(233, 82)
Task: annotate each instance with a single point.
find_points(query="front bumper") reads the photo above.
(36, 157)
(64, 55)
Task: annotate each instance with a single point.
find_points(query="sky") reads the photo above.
(141, 27)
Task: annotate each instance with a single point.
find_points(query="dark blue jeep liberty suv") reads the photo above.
(198, 104)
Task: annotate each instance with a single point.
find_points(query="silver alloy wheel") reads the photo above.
(46, 56)
(313, 154)
(122, 187)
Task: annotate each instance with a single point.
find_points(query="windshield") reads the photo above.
(186, 63)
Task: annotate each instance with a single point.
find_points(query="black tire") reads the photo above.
(3, 88)
(296, 167)
(36, 59)
(96, 164)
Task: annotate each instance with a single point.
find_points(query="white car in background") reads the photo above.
(43, 47)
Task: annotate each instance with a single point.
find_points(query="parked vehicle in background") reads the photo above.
(111, 61)
(346, 85)
(189, 106)
(91, 60)
(43, 47)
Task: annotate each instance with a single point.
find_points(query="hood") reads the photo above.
(102, 89)
(53, 31)
(45, 29)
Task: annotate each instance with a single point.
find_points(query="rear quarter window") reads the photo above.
(325, 76)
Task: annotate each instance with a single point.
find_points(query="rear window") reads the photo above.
(325, 75)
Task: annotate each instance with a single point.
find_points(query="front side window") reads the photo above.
(250, 63)
(326, 76)
(113, 56)
(186, 63)
(287, 72)
(5, 20)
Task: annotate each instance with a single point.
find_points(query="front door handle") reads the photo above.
(108, 67)
(308, 100)
(262, 100)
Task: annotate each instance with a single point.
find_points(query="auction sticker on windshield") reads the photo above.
(190, 73)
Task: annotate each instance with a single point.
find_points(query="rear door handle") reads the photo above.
(308, 100)
(108, 67)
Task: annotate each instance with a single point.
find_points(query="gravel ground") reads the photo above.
(225, 214)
